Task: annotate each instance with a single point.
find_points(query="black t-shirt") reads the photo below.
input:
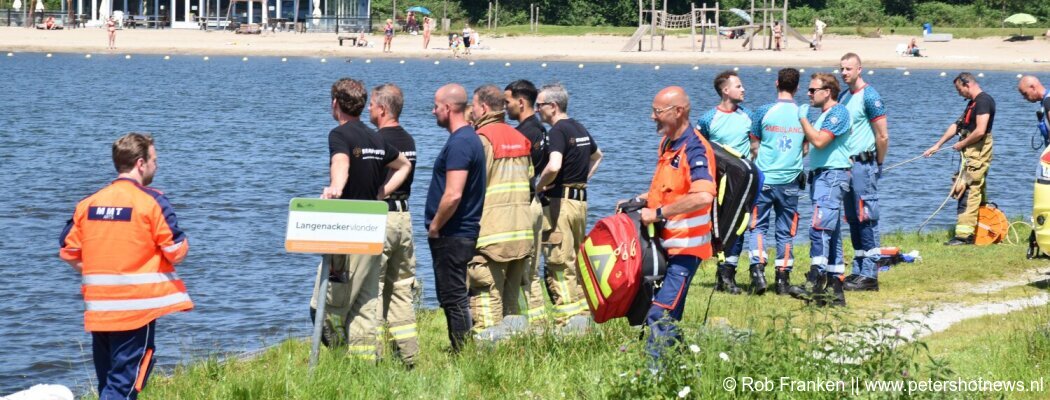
(980, 105)
(533, 130)
(369, 156)
(402, 141)
(1046, 108)
(576, 145)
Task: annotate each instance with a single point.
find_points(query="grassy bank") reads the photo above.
(765, 337)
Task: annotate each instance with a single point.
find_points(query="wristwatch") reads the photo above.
(660, 213)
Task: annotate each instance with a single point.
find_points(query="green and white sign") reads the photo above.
(336, 226)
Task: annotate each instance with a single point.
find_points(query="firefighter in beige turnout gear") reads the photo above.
(360, 161)
(573, 158)
(397, 277)
(520, 98)
(504, 244)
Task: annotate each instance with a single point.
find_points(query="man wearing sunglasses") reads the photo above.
(829, 164)
(868, 142)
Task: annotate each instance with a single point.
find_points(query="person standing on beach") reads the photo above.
(467, 36)
(681, 195)
(868, 144)
(818, 33)
(574, 157)
(829, 180)
(505, 240)
(729, 125)
(975, 143)
(426, 32)
(125, 241)
(520, 98)
(111, 27)
(358, 164)
(778, 33)
(388, 35)
(397, 278)
(453, 212)
(780, 153)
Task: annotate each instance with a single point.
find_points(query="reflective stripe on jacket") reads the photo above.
(506, 221)
(689, 233)
(128, 239)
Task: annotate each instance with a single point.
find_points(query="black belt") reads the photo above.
(818, 171)
(397, 205)
(577, 194)
(863, 157)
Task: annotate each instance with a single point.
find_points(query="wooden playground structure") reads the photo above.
(707, 20)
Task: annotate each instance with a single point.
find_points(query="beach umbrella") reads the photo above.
(1020, 20)
(742, 14)
(419, 9)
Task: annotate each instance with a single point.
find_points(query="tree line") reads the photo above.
(883, 13)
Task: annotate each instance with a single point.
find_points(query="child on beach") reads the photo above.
(111, 26)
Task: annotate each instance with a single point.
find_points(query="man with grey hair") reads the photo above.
(505, 240)
(397, 278)
(974, 128)
(574, 157)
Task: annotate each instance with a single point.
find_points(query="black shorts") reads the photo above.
(466, 41)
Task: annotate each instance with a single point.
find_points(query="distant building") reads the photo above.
(352, 15)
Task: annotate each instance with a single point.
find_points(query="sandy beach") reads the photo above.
(969, 54)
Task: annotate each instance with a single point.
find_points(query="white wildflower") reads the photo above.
(694, 348)
(684, 392)
(724, 356)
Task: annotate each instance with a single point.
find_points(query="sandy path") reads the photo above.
(970, 54)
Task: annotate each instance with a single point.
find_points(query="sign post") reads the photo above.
(333, 227)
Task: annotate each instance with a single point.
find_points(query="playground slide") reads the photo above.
(635, 40)
(791, 31)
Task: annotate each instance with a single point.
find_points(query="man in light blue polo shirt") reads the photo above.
(780, 159)
(869, 142)
(829, 173)
(729, 125)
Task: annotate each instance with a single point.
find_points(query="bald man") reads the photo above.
(1033, 91)
(680, 195)
(453, 211)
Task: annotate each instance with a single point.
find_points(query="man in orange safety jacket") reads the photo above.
(125, 241)
(680, 197)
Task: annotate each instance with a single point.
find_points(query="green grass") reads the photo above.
(760, 337)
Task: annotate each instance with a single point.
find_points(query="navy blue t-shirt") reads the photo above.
(462, 151)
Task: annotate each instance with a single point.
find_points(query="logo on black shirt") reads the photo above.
(572, 141)
(357, 152)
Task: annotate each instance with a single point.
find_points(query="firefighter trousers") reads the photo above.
(352, 298)
(532, 287)
(494, 289)
(397, 286)
(559, 249)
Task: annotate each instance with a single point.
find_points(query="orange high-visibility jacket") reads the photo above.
(129, 241)
(685, 166)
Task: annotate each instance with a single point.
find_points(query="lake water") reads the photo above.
(237, 140)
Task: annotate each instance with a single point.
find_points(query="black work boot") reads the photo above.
(837, 298)
(783, 282)
(959, 241)
(720, 284)
(862, 283)
(758, 279)
(814, 287)
(852, 277)
(728, 274)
